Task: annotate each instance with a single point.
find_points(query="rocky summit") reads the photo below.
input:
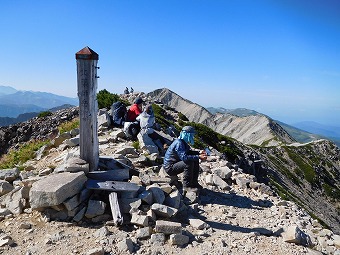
(56, 205)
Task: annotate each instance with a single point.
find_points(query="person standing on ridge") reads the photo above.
(126, 91)
(180, 158)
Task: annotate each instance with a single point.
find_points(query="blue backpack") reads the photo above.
(118, 110)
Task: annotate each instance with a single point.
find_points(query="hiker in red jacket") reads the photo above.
(131, 126)
(135, 110)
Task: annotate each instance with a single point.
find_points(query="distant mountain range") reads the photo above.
(302, 132)
(17, 106)
(240, 112)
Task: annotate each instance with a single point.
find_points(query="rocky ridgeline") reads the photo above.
(253, 129)
(49, 209)
(36, 128)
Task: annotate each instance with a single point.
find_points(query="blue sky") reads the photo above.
(279, 57)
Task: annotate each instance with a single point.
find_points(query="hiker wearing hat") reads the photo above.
(147, 121)
(131, 126)
(135, 110)
(179, 158)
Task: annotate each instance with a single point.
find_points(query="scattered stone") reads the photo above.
(144, 233)
(25, 225)
(103, 231)
(158, 238)
(95, 208)
(163, 210)
(198, 224)
(96, 251)
(157, 194)
(294, 235)
(179, 239)
(5, 187)
(5, 240)
(140, 220)
(168, 227)
(9, 174)
(126, 245)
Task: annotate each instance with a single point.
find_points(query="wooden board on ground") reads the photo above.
(110, 175)
(111, 185)
(115, 209)
(111, 163)
(169, 180)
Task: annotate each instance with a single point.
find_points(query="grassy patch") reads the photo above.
(205, 136)
(332, 192)
(105, 99)
(44, 114)
(279, 166)
(24, 153)
(181, 116)
(308, 171)
(135, 145)
(69, 125)
(160, 115)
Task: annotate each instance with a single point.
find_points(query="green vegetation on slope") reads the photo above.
(205, 136)
(106, 99)
(306, 168)
(24, 153)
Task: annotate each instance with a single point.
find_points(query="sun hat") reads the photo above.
(189, 129)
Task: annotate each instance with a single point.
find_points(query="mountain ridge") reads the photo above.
(266, 131)
(304, 131)
(15, 104)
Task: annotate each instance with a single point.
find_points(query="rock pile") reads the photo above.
(50, 209)
(36, 128)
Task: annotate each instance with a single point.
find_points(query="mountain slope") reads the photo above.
(13, 111)
(5, 90)
(254, 129)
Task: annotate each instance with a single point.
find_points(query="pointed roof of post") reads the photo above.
(87, 53)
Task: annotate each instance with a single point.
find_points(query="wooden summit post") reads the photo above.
(88, 106)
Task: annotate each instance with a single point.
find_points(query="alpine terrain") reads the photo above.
(263, 192)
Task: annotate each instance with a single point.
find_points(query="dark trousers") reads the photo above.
(134, 130)
(190, 172)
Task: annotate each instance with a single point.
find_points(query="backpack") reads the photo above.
(118, 110)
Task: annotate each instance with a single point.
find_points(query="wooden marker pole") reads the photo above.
(88, 106)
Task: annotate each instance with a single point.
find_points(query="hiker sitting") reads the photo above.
(146, 121)
(131, 126)
(131, 90)
(180, 158)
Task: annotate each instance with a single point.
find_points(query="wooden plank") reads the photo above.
(111, 185)
(110, 175)
(111, 163)
(169, 180)
(115, 209)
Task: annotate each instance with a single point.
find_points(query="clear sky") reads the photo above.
(279, 57)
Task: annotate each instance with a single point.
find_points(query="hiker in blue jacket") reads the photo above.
(180, 158)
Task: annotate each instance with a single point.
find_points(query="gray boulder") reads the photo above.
(9, 174)
(5, 187)
(55, 189)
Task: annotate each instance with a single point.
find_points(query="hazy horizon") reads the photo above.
(280, 58)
